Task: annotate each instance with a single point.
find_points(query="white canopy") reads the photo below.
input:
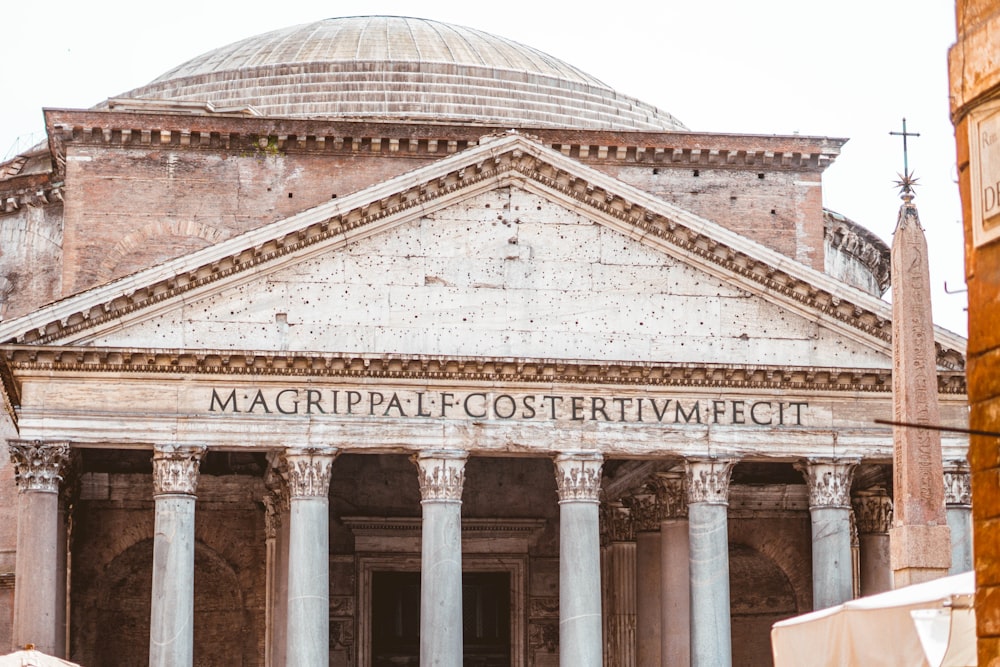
(32, 658)
(879, 630)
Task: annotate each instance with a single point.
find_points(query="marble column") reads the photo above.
(829, 482)
(675, 571)
(708, 532)
(578, 480)
(620, 585)
(171, 624)
(39, 614)
(873, 517)
(958, 509)
(307, 631)
(276, 520)
(441, 477)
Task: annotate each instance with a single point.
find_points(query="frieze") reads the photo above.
(511, 158)
(308, 471)
(441, 474)
(38, 465)
(175, 469)
(708, 481)
(578, 476)
(829, 482)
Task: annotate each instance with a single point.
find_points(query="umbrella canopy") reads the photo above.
(33, 658)
(875, 631)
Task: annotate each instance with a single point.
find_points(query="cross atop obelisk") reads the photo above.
(919, 539)
(906, 179)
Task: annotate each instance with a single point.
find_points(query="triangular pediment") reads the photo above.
(508, 249)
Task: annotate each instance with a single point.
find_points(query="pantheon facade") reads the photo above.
(378, 341)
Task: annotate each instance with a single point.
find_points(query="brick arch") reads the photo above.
(788, 551)
(157, 241)
(115, 629)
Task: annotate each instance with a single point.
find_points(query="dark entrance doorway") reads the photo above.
(396, 619)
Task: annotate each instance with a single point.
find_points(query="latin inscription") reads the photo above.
(501, 406)
(984, 138)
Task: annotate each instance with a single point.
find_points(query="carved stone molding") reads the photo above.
(38, 465)
(578, 476)
(708, 480)
(441, 474)
(616, 523)
(829, 481)
(854, 240)
(957, 484)
(308, 471)
(175, 469)
(275, 498)
(671, 495)
(872, 512)
(644, 510)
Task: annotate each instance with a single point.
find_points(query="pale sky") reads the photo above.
(851, 69)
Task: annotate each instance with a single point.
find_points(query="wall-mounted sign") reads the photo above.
(984, 172)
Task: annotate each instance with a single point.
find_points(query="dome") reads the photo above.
(388, 67)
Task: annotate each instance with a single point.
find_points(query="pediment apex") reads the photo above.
(499, 160)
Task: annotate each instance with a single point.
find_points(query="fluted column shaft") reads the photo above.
(708, 504)
(171, 625)
(38, 616)
(620, 586)
(276, 525)
(958, 509)
(829, 482)
(442, 477)
(308, 617)
(578, 479)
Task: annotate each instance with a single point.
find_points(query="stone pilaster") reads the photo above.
(829, 482)
(39, 615)
(276, 524)
(958, 509)
(618, 534)
(708, 500)
(441, 478)
(171, 626)
(675, 571)
(307, 631)
(645, 512)
(578, 480)
(873, 517)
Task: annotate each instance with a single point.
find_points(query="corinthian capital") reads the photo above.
(441, 474)
(175, 469)
(578, 476)
(957, 484)
(708, 480)
(671, 494)
(829, 481)
(309, 470)
(38, 465)
(872, 512)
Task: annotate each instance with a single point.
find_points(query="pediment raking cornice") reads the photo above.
(511, 159)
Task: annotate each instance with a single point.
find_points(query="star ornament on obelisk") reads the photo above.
(919, 539)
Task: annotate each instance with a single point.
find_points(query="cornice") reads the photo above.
(852, 239)
(18, 359)
(200, 130)
(499, 161)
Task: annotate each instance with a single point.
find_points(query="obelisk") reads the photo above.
(919, 539)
